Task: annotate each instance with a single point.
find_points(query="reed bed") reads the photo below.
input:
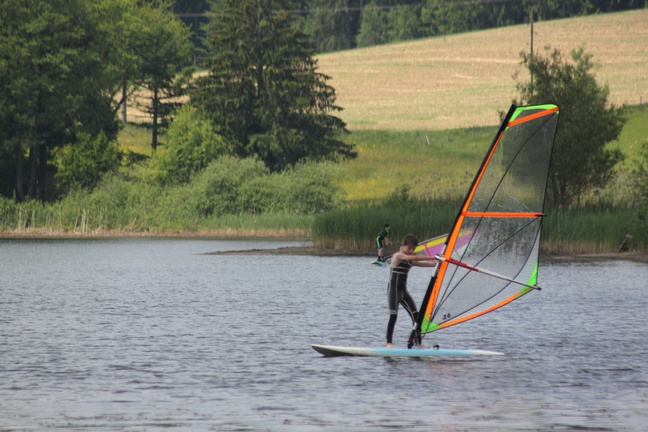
(594, 230)
(355, 229)
(591, 230)
(67, 218)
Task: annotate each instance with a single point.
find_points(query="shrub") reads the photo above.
(263, 194)
(215, 191)
(192, 144)
(85, 162)
(314, 188)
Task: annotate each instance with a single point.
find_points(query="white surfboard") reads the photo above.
(336, 351)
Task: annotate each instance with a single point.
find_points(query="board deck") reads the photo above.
(379, 263)
(336, 351)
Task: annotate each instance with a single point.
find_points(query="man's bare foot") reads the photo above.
(390, 345)
(420, 346)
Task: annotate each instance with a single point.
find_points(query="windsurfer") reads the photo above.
(382, 239)
(397, 292)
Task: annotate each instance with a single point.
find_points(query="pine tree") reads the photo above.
(263, 90)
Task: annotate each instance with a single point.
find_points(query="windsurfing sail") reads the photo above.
(502, 214)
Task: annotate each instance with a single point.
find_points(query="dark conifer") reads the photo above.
(263, 89)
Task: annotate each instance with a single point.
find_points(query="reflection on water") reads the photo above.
(144, 334)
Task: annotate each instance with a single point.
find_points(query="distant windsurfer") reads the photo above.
(397, 292)
(381, 240)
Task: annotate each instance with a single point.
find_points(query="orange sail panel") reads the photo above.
(502, 213)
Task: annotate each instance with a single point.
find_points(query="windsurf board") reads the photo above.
(336, 351)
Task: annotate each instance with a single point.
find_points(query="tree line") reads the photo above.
(344, 24)
(66, 67)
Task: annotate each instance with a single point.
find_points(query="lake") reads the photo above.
(158, 335)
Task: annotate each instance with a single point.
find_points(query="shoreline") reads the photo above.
(217, 234)
(267, 235)
(310, 250)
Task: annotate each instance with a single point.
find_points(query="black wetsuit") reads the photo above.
(397, 294)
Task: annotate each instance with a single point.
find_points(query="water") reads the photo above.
(154, 335)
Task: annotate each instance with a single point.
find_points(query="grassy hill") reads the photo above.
(442, 164)
(463, 80)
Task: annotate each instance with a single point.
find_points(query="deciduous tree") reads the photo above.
(53, 56)
(581, 161)
(191, 145)
(333, 24)
(62, 64)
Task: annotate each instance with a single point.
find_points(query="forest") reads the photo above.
(335, 25)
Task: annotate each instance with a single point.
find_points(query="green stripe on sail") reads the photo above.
(533, 279)
(430, 327)
(520, 110)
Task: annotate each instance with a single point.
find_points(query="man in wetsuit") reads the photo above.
(381, 239)
(397, 292)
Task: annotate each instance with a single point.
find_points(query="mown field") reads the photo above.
(463, 80)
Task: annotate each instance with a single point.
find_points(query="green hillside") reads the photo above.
(443, 163)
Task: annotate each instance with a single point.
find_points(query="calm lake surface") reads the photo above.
(156, 335)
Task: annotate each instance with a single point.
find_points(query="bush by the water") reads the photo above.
(84, 164)
(231, 185)
(228, 186)
(192, 144)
